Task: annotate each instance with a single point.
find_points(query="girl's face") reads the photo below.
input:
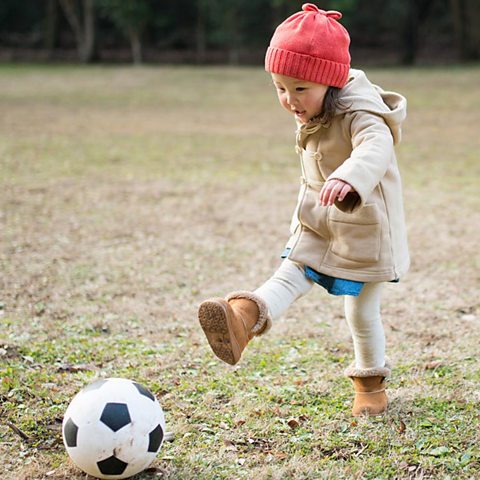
(301, 98)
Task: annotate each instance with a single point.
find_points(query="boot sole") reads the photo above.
(216, 324)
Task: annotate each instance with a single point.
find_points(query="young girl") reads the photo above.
(348, 230)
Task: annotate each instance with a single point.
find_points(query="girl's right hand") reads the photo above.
(334, 189)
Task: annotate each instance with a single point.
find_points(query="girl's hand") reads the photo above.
(334, 189)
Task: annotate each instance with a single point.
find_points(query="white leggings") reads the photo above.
(362, 313)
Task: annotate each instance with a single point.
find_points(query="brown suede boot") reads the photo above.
(229, 324)
(369, 384)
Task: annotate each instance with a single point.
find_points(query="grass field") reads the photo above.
(129, 195)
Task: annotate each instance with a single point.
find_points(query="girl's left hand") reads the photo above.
(334, 189)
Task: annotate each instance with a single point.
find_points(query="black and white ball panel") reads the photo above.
(115, 416)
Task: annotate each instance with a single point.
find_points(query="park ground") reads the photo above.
(128, 195)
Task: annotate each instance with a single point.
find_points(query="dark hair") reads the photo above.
(331, 103)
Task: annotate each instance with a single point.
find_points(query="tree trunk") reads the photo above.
(51, 27)
(83, 28)
(200, 32)
(410, 34)
(89, 29)
(231, 21)
(466, 24)
(136, 45)
(473, 32)
(457, 8)
(417, 12)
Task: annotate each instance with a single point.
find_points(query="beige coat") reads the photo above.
(363, 237)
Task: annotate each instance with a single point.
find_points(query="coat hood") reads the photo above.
(360, 94)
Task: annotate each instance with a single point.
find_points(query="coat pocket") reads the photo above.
(356, 236)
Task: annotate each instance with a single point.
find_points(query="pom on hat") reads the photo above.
(310, 7)
(311, 45)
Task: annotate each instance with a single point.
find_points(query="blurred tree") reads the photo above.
(236, 31)
(51, 26)
(231, 27)
(130, 17)
(81, 18)
(257, 25)
(416, 14)
(466, 23)
(349, 9)
(280, 9)
(201, 30)
(21, 23)
(241, 27)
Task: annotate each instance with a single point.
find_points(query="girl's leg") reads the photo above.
(363, 318)
(369, 370)
(286, 285)
(230, 323)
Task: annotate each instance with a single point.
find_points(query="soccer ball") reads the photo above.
(113, 428)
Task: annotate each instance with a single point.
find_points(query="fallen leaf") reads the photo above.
(239, 422)
(73, 368)
(433, 365)
(293, 423)
(276, 411)
(229, 445)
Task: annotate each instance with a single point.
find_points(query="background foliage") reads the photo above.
(215, 31)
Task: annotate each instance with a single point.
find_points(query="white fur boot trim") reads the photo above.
(353, 371)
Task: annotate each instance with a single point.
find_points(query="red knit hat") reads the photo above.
(311, 45)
